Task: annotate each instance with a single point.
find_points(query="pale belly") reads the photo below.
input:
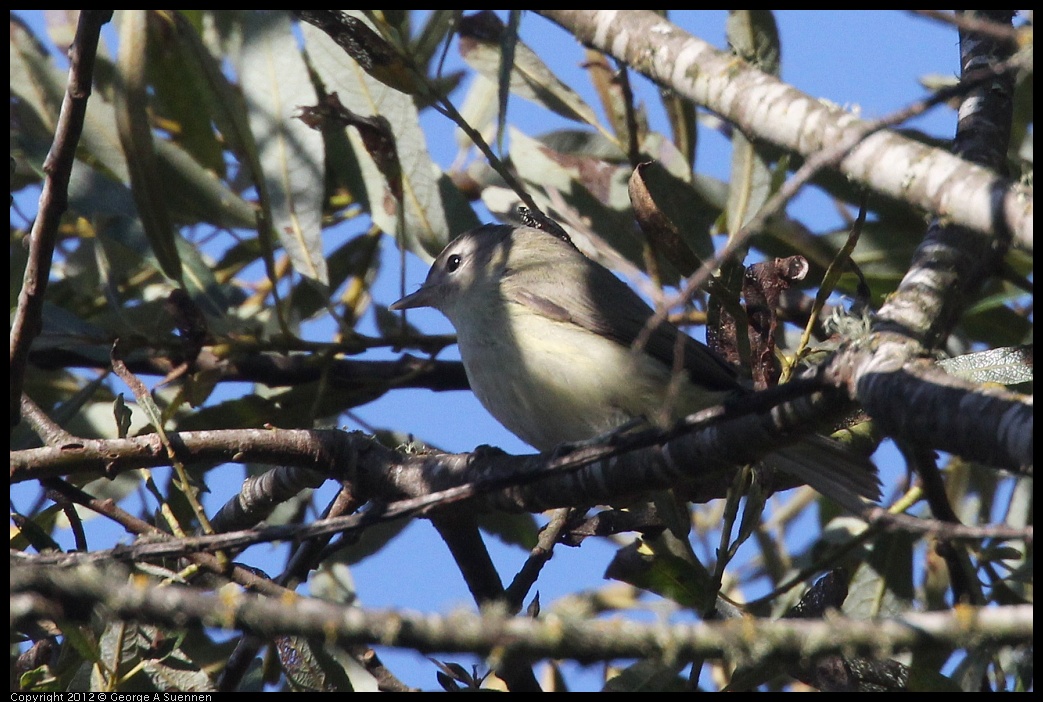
(553, 382)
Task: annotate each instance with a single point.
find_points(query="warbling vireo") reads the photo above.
(546, 334)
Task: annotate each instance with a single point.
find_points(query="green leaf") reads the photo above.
(1005, 366)
(36, 81)
(122, 415)
(882, 254)
(483, 42)
(927, 679)
(681, 114)
(332, 581)
(34, 78)
(197, 194)
(883, 585)
(356, 258)
(36, 532)
(508, 44)
(373, 43)
(242, 413)
(513, 529)
(224, 105)
(613, 91)
(663, 207)
(650, 565)
(478, 110)
(596, 191)
(192, 191)
(135, 135)
(432, 209)
(754, 36)
(303, 672)
(431, 35)
(108, 205)
(751, 182)
(650, 675)
(583, 142)
(182, 100)
(997, 316)
(275, 84)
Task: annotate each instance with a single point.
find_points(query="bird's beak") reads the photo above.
(424, 297)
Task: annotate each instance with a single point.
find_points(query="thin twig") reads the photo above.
(27, 319)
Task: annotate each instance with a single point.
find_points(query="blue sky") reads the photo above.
(869, 59)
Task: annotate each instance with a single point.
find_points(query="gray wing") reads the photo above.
(617, 312)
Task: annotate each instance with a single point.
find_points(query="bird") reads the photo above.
(547, 339)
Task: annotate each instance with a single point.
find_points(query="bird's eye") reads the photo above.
(453, 262)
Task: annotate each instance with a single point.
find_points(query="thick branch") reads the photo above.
(948, 268)
(763, 106)
(625, 465)
(954, 259)
(916, 400)
(324, 450)
(48, 592)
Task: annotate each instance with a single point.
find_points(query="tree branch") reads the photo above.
(57, 593)
(278, 369)
(57, 167)
(948, 268)
(763, 106)
(913, 399)
(626, 463)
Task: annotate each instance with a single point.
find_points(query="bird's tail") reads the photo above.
(831, 468)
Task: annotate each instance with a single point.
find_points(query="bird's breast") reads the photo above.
(550, 381)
